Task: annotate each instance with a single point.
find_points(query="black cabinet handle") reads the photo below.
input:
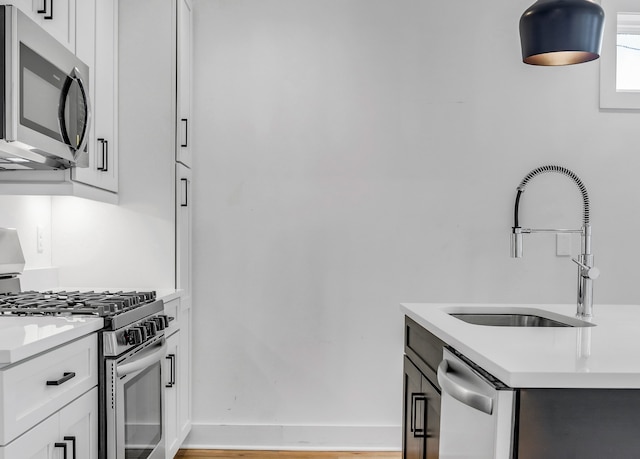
(104, 167)
(73, 446)
(63, 446)
(65, 377)
(186, 131)
(418, 431)
(173, 370)
(184, 202)
(43, 10)
(50, 16)
(172, 359)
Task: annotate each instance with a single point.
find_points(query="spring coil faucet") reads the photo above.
(586, 271)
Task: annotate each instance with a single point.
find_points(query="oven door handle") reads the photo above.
(142, 361)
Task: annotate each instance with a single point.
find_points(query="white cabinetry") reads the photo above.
(97, 45)
(184, 203)
(171, 395)
(73, 429)
(58, 17)
(184, 82)
(49, 403)
(184, 20)
(89, 28)
(177, 375)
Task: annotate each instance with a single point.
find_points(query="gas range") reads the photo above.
(131, 318)
(132, 353)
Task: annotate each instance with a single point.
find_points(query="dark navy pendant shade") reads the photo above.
(561, 32)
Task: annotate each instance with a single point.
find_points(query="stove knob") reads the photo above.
(159, 323)
(164, 319)
(152, 328)
(134, 335)
(143, 332)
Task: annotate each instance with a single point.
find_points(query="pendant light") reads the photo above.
(561, 32)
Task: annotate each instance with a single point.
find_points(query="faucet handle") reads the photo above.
(588, 272)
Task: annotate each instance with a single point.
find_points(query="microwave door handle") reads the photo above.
(143, 361)
(66, 87)
(462, 389)
(87, 102)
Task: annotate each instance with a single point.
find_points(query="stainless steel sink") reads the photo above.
(508, 320)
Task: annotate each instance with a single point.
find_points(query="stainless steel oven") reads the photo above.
(132, 351)
(134, 427)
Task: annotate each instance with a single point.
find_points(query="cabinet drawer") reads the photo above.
(424, 345)
(172, 310)
(33, 389)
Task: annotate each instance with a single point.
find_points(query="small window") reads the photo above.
(620, 58)
(628, 53)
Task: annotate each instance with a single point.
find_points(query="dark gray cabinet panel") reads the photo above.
(421, 413)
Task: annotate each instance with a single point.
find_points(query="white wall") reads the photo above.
(131, 245)
(26, 214)
(104, 246)
(351, 155)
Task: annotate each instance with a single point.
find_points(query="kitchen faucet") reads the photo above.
(586, 271)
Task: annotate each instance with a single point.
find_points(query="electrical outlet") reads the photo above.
(40, 239)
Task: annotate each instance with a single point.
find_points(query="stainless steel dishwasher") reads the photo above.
(477, 412)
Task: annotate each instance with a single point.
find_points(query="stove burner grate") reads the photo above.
(100, 304)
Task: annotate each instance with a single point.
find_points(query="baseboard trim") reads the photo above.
(294, 437)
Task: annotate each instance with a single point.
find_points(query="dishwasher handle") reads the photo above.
(463, 388)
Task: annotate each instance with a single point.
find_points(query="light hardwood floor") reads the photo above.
(219, 454)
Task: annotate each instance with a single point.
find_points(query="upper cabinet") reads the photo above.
(58, 17)
(89, 28)
(184, 82)
(97, 44)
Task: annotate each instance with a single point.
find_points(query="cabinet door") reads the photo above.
(413, 439)
(97, 41)
(421, 424)
(432, 419)
(184, 64)
(183, 382)
(171, 395)
(37, 443)
(58, 17)
(71, 432)
(183, 228)
(79, 426)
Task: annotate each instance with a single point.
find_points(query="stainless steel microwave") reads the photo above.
(45, 111)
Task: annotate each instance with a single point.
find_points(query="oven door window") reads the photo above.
(143, 413)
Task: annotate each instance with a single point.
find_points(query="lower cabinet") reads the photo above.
(71, 432)
(171, 384)
(184, 370)
(177, 377)
(522, 423)
(421, 421)
(422, 401)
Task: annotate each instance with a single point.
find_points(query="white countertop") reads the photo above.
(606, 355)
(24, 337)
